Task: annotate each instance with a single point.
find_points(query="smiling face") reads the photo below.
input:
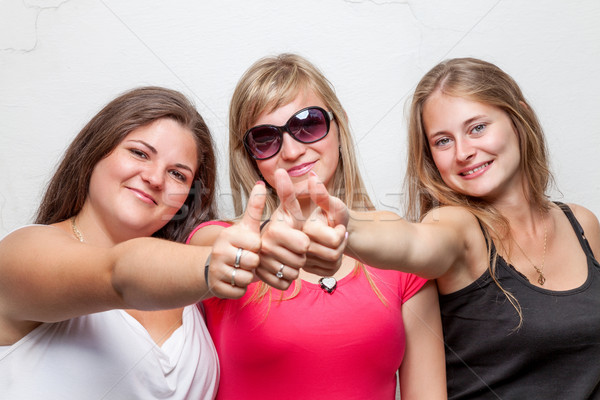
(144, 181)
(474, 146)
(298, 159)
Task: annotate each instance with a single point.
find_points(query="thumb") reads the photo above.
(318, 215)
(318, 192)
(254, 209)
(287, 195)
(334, 208)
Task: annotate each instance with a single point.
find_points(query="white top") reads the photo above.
(109, 355)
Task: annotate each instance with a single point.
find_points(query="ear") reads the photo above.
(525, 106)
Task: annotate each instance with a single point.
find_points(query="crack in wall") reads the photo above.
(33, 5)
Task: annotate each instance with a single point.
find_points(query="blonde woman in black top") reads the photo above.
(517, 275)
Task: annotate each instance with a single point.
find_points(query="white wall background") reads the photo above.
(61, 61)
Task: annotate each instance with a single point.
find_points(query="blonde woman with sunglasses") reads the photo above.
(318, 325)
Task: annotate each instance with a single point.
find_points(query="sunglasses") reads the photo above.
(308, 125)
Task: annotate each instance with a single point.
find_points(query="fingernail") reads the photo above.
(346, 235)
(313, 173)
(260, 183)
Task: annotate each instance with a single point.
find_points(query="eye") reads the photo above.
(441, 142)
(138, 153)
(178, 175)
(478, 128)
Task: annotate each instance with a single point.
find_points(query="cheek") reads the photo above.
(267, 169)
(440, 161)
(328, 148)
(175, 196)
(102, 175)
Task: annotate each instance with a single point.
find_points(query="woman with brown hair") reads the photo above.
(90, 305)
(518, 280)
(327, 327)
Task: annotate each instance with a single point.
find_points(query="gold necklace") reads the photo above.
(540, 270)
(76, 232)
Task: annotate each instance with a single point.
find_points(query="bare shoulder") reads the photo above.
(207, 235)
(457, 221)
(33, 245)
(589, 223)
(458, 217)
(32, 237)
(464, 226)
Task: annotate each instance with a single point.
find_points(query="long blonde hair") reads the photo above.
(483, 82)
(272, 82)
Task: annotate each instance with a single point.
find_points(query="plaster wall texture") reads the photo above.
(62, 60)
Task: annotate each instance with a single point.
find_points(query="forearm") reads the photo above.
(152, 274)
(385, 240)
(380, 239)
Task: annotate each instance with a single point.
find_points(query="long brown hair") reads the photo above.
(483, 82)
(272, 82)
(67, 190)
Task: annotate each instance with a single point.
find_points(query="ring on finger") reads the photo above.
(238, 257)
(233, 271)
(279, 273)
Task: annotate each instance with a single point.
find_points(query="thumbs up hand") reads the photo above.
(284, 245)
(326, 229)
(235, 253)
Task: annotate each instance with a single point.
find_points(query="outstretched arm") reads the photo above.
(384, 240)
(48, 276)
(428, 249)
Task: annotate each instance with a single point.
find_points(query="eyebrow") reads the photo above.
(154, 151)
(470, 120)
(464, 124)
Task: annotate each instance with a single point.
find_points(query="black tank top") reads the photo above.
(554, 355)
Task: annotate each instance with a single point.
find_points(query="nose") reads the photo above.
(464, 150)
(154, 176)
(291, 149)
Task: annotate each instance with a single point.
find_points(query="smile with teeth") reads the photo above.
(475, 169)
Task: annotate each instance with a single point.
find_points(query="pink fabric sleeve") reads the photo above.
(410, 284)
(202, 225)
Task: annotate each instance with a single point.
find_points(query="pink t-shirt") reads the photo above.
(345, 345)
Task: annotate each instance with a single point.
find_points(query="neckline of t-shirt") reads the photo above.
(340, 282)
(518, 275)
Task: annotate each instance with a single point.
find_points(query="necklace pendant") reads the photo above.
(328, 284)
(541, 279)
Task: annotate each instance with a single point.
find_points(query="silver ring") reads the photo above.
(238, 256)
(279, 273)
(233, 276)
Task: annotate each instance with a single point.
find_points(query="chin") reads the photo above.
(149, 225)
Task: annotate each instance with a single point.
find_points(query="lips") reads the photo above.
(474, 170)
(301, 169)
(145, 197)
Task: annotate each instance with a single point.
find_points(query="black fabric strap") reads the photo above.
(206, 264)
(264, 223)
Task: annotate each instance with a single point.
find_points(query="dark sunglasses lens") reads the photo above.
(263, 141)
(309, 125)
